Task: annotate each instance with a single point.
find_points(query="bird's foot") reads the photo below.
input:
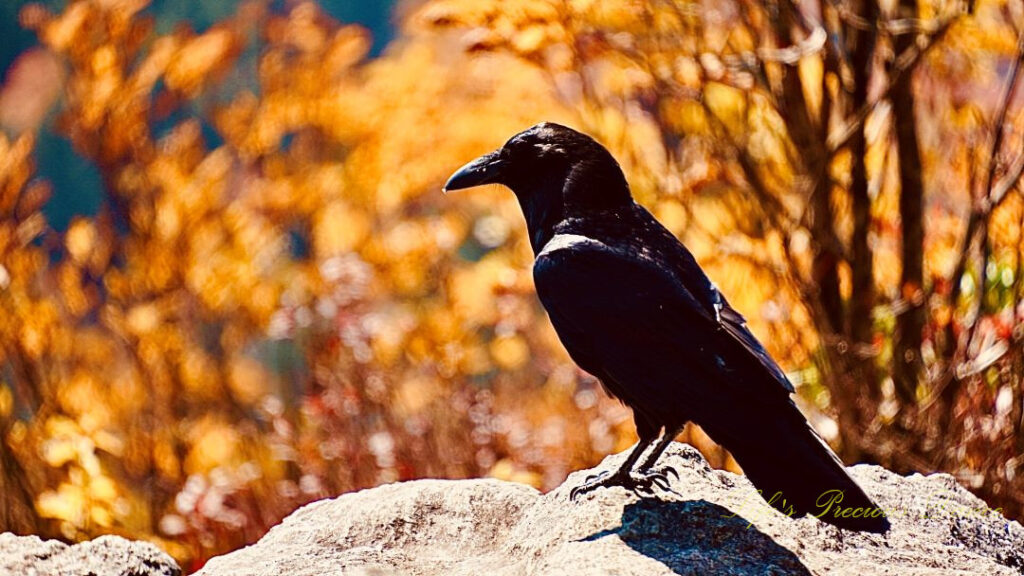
(640, 483)
(659, 476)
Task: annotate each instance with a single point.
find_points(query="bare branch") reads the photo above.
(977, 223)
(893, 27)
(851, 17)
(790, 55)
(912, 26)
(1006, 183)
(1000, 122)
(905, 63)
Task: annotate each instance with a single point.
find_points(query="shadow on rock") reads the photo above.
(698, 537)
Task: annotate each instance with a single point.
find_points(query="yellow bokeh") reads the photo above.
(273, 302)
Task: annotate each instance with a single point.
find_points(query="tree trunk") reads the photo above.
(17, 507)
(809, 132)
(909, 323)
(862, 266)
(855, 387)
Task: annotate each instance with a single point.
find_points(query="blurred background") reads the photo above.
(229, 284)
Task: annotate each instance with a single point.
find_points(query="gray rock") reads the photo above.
(713, 522)
(104, 556)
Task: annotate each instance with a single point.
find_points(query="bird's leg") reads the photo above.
(659, 477)
(624, 476)
(621, 477)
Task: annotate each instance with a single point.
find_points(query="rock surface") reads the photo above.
(104, 556)
(712, 523)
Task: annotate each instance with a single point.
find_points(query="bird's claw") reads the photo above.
(640, 483)
(648, 480)
(602, 480)
(665, 472)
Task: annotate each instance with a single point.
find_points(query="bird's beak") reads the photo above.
(484, 170)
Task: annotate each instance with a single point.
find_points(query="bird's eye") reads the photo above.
(511, 149)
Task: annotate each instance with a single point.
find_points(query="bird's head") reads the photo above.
(554, 171)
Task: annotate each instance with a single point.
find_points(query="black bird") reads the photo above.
(633, 308)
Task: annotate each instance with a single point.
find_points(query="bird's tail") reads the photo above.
(798, 474)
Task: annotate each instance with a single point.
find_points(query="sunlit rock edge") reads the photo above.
(712, 522)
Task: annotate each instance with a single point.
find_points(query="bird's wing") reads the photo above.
(625, 318)
(725, 316)
(736, 326)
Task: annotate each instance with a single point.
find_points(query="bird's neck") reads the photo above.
(590, 187)
(543, 210)
(596, 184)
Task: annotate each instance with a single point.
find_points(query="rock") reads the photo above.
(104, 556)
(713, 522)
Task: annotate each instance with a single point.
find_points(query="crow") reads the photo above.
(632, 307)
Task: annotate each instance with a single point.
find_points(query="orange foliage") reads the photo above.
(276, 304)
